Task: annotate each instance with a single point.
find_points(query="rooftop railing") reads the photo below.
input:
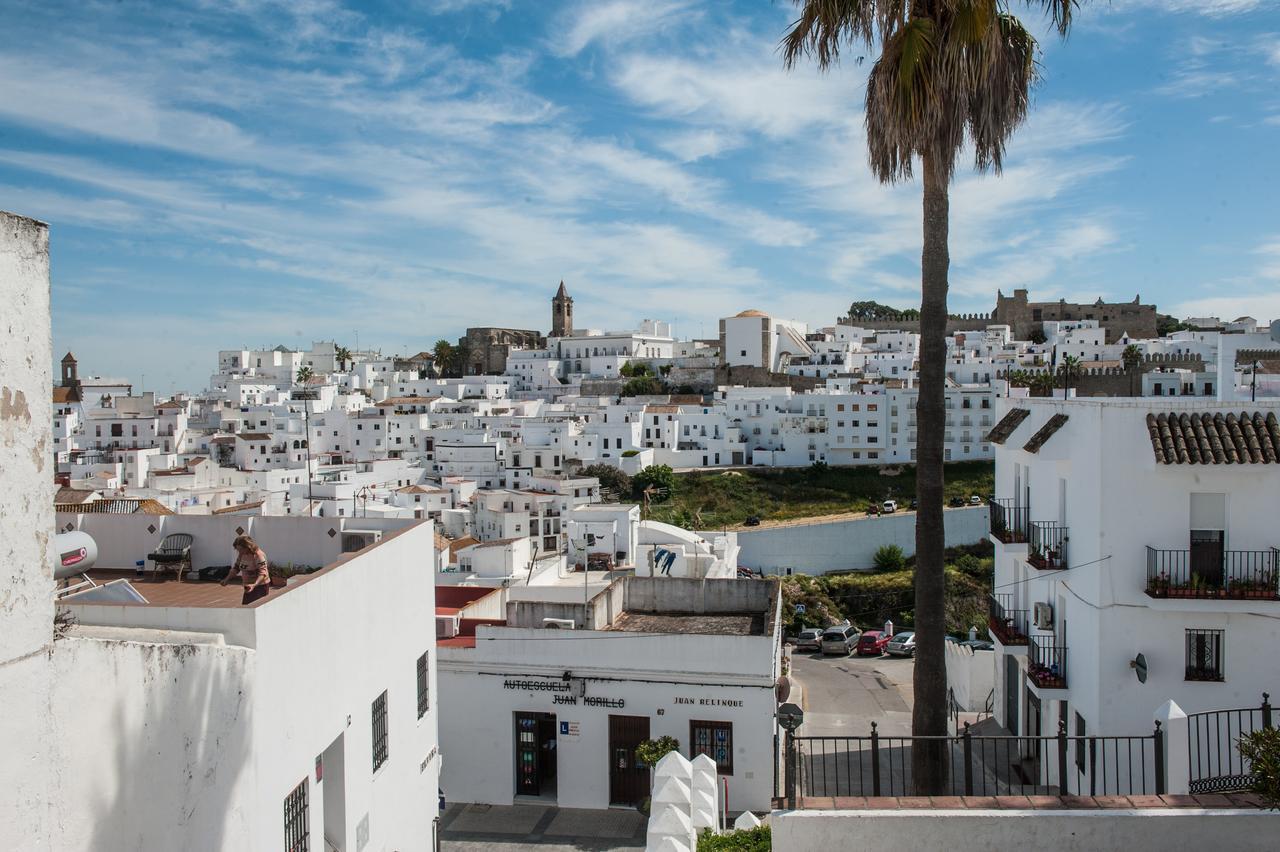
(1208, 574)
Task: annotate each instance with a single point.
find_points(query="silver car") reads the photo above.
(809, 639)
(839, 640)
(902, 644)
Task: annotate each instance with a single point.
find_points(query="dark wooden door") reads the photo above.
(528, 780)
(1207, 554)
(628, 778)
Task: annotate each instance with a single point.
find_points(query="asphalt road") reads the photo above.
(842, 696)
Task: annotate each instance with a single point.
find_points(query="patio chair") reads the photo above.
(175, 552)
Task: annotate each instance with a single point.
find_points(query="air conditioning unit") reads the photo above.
(353, 540)
(446, 626)
(557, 623)
(1043, 615)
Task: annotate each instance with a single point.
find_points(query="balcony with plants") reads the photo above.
(1008, 520)
(1046, 662)
(1209, 574)
(1007, 625)
(1047, 549)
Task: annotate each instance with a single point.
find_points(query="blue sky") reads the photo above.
(222, 173)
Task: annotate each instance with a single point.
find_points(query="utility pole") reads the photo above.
(306, 443)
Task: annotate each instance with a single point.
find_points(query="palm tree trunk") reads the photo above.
(929, 714)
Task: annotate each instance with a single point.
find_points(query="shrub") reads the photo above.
(650, 752)
(1262, 750)
(660, 476)
(642, 386)
(626, 454)
(610, 477)
(890, 557)
(751, 840)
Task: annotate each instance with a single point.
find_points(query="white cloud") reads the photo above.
(614, 22)
(691, 145)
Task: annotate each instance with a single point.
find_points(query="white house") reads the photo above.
(1135, 561)
(536, 712)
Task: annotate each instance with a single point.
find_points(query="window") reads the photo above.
(715, 740)
(424, 686)
(1204, 655)
(297, 836)
(379, 731)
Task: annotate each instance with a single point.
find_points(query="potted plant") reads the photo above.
(649, 753)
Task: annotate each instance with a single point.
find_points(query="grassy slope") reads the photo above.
(727, 498)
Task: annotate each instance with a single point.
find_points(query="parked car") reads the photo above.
(871, 643)
(839, 640)
(975, 500)
(977, 644)
(888, 507)
(809, 639)
(956, 501)
(902, 645)
(752, 521)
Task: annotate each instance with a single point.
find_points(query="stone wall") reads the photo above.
(1117, 381)
(487, 348)
(1023, 316)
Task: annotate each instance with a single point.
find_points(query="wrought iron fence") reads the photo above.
(1213, 744)
(1009, 625)
(1047, 662)
(1048, 546)
(1234, 574)
(1008, 521)
(977, 765)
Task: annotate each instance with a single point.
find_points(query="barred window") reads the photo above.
(1204, 655)
(297, 837)
(715, 740)
(379, 731)
(424, 686)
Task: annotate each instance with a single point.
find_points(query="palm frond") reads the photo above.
(1061, 11)
(824, 26)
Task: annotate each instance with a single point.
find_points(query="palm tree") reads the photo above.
(1132, 358)
(948, 71)
(443, 354)
(343, 354)
(304, 375)
(1042, 384)
(1069, 369)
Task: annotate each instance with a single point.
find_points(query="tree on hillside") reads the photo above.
(951, 74)
(610, 477)
(643, 386)
(657, 479)
(875, 311)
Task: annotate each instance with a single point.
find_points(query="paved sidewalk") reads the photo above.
(505, 828)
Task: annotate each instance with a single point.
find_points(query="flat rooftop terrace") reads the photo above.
(714, 624)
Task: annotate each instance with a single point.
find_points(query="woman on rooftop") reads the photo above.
(251, 566)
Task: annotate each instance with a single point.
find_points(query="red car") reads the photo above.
(872, 643)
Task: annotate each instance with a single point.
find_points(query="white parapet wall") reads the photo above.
(27, 809)
(978, 830)
(818, 546)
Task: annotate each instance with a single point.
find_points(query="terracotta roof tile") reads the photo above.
(1214, 437)
(1047, 431)
(1002, 430)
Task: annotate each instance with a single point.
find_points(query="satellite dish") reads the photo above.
(1139, 666)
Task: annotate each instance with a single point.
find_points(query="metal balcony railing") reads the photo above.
(1046, 663)
(1007, 624)
(1209, 573)
(1048, 546)
(1008, 521)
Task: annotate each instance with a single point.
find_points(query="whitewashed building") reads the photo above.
(536, 711)
(1136, 560)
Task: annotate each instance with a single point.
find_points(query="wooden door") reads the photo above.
(628, 778)
(528, 782)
